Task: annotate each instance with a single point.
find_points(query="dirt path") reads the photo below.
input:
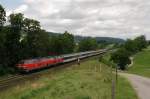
(140, 84)
(131, 58)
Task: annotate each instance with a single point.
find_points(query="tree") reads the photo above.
(16, 21)
(68, 43)
(140, 42)
(31, 25)
(2, 16)
(13, 35)
(87, 44)
(2, 21)
(130, 46)
(35, 40)
(136, 45)
(62, 44)
(2, 34)
(56, 45)
(121, 58)
(2, 39)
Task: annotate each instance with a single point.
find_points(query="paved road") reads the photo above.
(140, 84)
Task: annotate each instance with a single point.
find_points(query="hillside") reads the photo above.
(99, 39)
(141, 63)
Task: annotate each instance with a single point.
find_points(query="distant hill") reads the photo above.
(54, 34)
(101, 39)
(110, 39)
(98, 39)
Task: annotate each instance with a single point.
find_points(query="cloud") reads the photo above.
(114, 18)
(21, 8)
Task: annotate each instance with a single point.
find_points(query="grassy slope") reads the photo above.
(77, 82)
(141, 65)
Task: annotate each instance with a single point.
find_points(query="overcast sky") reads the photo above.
(112, 18)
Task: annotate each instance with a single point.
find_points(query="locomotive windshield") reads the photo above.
(21, 62)
(29, 61)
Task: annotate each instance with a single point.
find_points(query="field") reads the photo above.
(141, 63)
(90, 80)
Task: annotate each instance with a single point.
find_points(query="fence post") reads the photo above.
(116, 74)
(113, 89)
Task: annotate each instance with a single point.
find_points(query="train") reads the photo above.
(28, 65)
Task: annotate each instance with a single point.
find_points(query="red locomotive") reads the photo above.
(33, 64)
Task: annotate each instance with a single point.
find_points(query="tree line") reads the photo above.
(122, 56)
(23, 38)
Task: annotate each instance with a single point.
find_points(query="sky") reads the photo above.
(103, 18)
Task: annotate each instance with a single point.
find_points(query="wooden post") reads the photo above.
(100, 67)
(116, 74)
(113, 89)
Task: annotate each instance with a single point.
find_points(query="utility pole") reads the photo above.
(116, 73)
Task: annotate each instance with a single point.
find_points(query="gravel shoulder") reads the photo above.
(140, 84)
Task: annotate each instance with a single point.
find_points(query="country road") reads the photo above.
(140, 84)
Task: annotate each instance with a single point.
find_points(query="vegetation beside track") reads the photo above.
(90, 80)
(141, 63)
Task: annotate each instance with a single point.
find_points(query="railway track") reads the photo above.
(19, 78)
(9, 79)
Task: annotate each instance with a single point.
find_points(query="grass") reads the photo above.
(141, 63)
(125, 90)
(90, 80)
